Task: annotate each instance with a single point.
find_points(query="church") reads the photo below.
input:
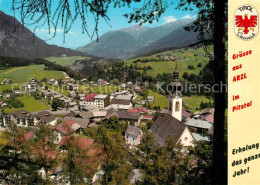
(170, 123)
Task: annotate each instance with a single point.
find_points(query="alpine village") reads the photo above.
(113, 112)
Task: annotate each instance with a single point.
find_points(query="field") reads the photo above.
(23, 74)
(65, 61)
(30, 104)
(99, 89)
(61, 90)
(5, 87)
(160, 100)
(191, 102)
(191, 56)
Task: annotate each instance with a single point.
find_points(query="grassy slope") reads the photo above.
(65, 61)
(186, 57)
(30, 104)
(23, 74)
(3, 87)
(191, 102)
(100, 89)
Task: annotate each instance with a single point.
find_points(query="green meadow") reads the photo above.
(187, 57)
(191, 102)
(25, 73)
(66, 61)
(30, 104)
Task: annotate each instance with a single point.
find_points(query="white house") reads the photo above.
(133, 135)
(101, 101)
(22, 118)
(46, 118)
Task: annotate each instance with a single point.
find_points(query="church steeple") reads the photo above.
(176, 74)
(175, 96)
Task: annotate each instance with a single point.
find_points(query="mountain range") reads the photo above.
(137, 40)
(18, 41)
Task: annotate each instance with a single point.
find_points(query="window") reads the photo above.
(186, 138)
(177, 106)
(170, 105)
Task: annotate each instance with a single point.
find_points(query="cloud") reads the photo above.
(52, 31)
(72, 33)
(169, 19)
(189, 17)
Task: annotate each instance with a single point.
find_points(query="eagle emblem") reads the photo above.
(246, 23)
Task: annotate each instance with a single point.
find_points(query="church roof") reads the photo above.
(166, 125)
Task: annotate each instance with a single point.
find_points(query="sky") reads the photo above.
(75, 38)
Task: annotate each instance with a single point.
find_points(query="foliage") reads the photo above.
(74, 162)
(114, 124)
(18, 166)
(116, 168)
(191, 67)
(15, 103)
(204, 105)
(174, 164)
(56, 103)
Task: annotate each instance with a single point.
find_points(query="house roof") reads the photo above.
(66, 127)
(71, 114)
(23, 114)
(120, 102)
(99, 113)
(133, 110)
(166, 125)
(101, 96)
(199, 123)
(128, 115)
(138, 90)
(208, 111)
(86, 115)
(124, 97)
(186, 114)
(148, 117)
(133, 130)
(45, 116)
(199, 137)
(28, 135)
(209, 118)
(138, 109)
(91, 96)
(82, 122)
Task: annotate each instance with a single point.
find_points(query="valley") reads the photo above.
(109, 111)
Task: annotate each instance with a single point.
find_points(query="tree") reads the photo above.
(116, 81)
(159, 162)
(219, 175)
(17, 165)
(116, 168)
(56, 103)
(44, 149)
(74, 161)
(44, 80)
